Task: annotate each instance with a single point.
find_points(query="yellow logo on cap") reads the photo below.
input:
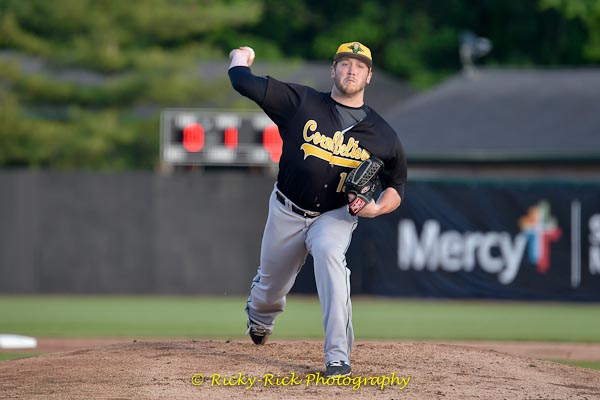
(355, 48)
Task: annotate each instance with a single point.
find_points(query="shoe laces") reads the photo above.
(335, 363)
(257, 330)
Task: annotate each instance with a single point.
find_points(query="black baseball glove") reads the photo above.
(361, 183)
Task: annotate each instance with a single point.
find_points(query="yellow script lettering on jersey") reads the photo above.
(332, 150)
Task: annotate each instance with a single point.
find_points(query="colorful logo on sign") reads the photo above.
(541, 229)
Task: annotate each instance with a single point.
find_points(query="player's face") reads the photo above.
(350, 76)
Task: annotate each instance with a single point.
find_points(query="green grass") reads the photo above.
(583, 364)
(224, 317)
(121, 316)
(14, 356)
(475, 320)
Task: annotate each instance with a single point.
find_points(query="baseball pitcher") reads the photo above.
(336, 151)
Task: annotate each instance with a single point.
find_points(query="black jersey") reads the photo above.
(318, 152)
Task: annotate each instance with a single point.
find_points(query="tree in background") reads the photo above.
(82, 81)
(419, 40)
(586, 11)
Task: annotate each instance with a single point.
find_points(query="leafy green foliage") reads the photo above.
(586, 11)
(132, 55)
(101, 34)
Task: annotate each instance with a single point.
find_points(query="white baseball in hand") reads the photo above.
(251, 55)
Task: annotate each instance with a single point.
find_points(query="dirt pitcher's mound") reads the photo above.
(290, 369)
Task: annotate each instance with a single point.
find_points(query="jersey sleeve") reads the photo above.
(385, 144)
(395, 172)
(282, 101)
(247, 84)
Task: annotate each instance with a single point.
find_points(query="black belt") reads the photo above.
(295, 209)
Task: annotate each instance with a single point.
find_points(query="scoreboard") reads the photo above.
(218, 138)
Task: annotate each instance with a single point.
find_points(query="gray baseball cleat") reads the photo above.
(337, 368)
(258, 333)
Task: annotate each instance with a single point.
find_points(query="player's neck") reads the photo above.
(356, 100)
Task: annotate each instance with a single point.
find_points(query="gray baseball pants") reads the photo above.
(287, 240)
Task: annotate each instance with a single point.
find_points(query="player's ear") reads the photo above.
(369, 76)
(333, 70)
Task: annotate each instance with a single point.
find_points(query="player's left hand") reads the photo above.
(387, 202)
(371, 210)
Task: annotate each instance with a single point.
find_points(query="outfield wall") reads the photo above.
(78, 232)
(199, 233)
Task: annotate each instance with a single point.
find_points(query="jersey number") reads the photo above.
(340, 186)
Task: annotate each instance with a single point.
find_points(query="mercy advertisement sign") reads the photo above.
(536, 240)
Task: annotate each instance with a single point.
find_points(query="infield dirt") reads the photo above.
(167, 370)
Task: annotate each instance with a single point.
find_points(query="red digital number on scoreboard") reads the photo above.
(272, 142)
(193, 137)
(230, 137)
